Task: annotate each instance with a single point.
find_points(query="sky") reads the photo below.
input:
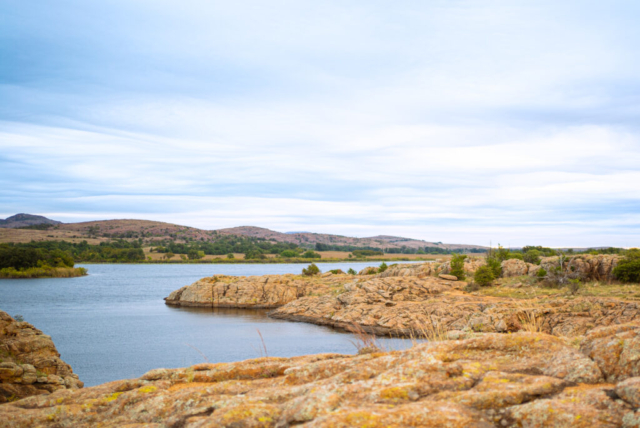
(512, 122)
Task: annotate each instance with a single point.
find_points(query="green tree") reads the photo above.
(310, 254)
(194, 254)
(383, 266)
(532, 256)
(457, 266)
(351, 271)
(168, 255)
(628, 269)
(289, 253)
(231, 256)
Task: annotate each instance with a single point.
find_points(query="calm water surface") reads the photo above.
(113, 324)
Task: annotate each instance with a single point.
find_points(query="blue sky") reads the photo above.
(455, 121)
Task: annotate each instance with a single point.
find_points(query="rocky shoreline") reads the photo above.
(490, 362)
(30, 363)
(490, 380)
(405, 300)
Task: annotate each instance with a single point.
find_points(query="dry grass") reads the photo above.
(28, 235)
(431, 329)
(530, 322)
(365, 343)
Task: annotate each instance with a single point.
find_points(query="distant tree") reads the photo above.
(383, 267)
(532, 256)
(289, 253)
(168, 255)
(310, 254)
(352, 272)
(231, 256)
(194, 254)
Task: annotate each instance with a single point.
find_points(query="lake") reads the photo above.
(113, 324)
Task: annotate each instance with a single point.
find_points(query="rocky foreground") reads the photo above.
(491, 380)
(416, 300)
(30, 363)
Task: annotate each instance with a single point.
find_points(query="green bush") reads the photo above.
(541, 273)
(289, 253)
(457, 266)
(515, 256)
(532, 256)
(495, 264)
(311, 270)
(231, 256)
(383, 267)
(254, 254)
(310, 254)
(352, 272)
(194, 254)
(484, 276)
(628, 269)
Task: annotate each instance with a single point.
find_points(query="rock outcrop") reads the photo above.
(269, 291)
(29, 362)
(589, 267)
(493, 380)
(412, 307)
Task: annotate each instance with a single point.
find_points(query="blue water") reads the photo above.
(113, 323)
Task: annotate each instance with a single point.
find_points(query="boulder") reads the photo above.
(369, 270)
(448, 277)
(268, 291)
(616, 350)
(629, 391)
(31, 364)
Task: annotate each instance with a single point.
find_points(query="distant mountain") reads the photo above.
(22, 220)
(300, 231)
(154, 231)
(310, 239)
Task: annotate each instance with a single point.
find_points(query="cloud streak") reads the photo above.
(448, 121)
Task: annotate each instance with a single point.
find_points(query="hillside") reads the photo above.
(24, 220)
(310, 239)
(150, 231)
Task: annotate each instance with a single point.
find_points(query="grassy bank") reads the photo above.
(42, 272)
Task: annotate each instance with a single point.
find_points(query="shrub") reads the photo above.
(532, 256)
(383, 267)
(336, 271)
(231, 256)
(574, 286)
(311, 270)
(484, 276)
(515, 256)
(194, 254)
(254, 254)
(457, 266)
(541, 273)
(352, 272)
(495, 265)
(628, 269)
(288, 253)
(310, 254)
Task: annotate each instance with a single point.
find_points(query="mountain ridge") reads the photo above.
(155, 230)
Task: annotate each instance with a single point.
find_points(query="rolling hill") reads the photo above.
(149, 231)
